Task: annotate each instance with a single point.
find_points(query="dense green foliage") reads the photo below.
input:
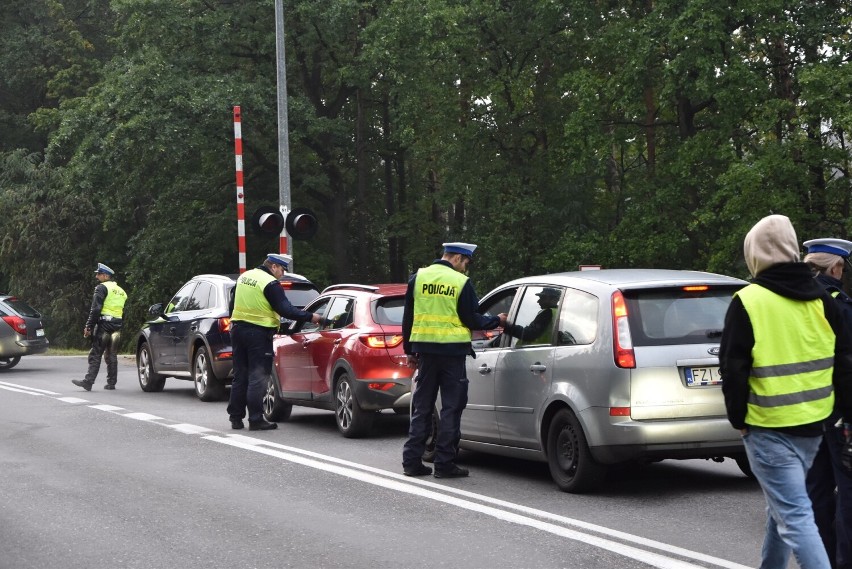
(624, 133)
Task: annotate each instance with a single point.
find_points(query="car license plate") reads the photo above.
(699, 376)
(40, 332)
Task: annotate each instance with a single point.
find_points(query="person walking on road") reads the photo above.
(258, 301)
(829, 483)
(104, 326)
(785, 355)
(440, 311)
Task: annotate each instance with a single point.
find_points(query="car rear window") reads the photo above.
(22, 308)
(389, 310)
(677, 315)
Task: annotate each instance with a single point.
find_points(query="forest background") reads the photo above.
(552, 133)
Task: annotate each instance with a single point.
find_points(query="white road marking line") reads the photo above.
(28, 388)
(503, 504)
(651, 558)
(73, 400)
(106, 407)
(27, 391)
(142, 416)
(190, 429)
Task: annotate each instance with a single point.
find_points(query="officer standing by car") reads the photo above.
(829, 483)
(440, 311)
(258, 300)
(104, 326)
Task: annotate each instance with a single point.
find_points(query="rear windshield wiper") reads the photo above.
(714, 333)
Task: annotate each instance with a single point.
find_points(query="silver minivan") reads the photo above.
(602, 367)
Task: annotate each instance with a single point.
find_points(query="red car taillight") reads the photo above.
(622, 342)
(17, 323)
(381, 340)
(224, 324)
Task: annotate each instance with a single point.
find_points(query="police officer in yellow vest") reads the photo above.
(258, 301)
(440, 311)
(540, 330)
(785, 356)
(104, 326)
(829, 483)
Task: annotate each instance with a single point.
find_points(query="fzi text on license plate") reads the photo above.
(699, 376)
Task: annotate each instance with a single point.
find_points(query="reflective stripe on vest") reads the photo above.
(436, 298)
(250, 304)
(114, 301)
(790, 382)
(546, 337)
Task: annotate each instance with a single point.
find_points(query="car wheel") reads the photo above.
(275, 409)
(9, 363)
(571, 464)
(352, 421)
(745, 467)
(207, 385)
(148, 380)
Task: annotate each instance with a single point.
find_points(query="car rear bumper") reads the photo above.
(372, 396)
(23, 347)
(619, 439)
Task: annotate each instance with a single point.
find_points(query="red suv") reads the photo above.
(352, 364)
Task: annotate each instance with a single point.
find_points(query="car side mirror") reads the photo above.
(156, 310)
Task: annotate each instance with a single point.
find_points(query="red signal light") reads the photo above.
(17, 323)
(696, 288)
(381, 340)
(619, 411)
(384, 386)
(622, 341)
(224, 324)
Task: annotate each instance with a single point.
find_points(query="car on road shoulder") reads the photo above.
(190, 338)
(21, 331)
(352, 363)
(627, 370)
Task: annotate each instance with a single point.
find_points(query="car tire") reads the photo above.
(9, 363)
(571, 464)
(149, 381)
(352, 421)
(745, 467)
(275, 409)
(207, 385)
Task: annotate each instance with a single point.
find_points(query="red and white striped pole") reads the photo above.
(241, 204)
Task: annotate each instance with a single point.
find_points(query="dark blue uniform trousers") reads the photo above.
(252, 347)
(832, 508)
(436, 373)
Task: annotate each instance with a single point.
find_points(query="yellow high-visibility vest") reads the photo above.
(114, 301)
(436, 295)
(250, 304)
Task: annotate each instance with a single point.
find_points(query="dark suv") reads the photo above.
(21, 331)
(190, 338)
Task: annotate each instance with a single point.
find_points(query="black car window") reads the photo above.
(578, 319)
(389, 310)
(22, 308)
(500, 302)
(200, 299)
(535, 319)
(340, 313)
(321, 307)
(180, 300)
(300, 295)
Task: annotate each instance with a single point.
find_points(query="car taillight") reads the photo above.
(224, 324)
(383, 386)
(381, 340)
(17, 323)
(622, 342)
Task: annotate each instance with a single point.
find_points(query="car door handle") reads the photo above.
(172, 329)
(193, 328)
(337, 341)
(305, 343)
(483, 369)
(538, 368)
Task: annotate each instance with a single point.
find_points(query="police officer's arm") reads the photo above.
(735, 362)
(279, 303)
(468, 309)
(408, 315)
(95, 311)
(534, 329)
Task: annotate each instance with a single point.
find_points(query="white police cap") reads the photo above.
(461, 248)
(104, 269)
(280, 259)
(839, 247)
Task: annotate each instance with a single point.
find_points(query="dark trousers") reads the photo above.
(436, 373)
(104, 345)
(252, 349)
(830, 490)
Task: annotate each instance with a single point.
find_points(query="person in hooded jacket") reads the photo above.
(785, 355)
(829, 483)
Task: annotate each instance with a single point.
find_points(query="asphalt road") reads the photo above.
(126, 479)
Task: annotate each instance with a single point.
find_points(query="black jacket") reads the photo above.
(791, 280)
